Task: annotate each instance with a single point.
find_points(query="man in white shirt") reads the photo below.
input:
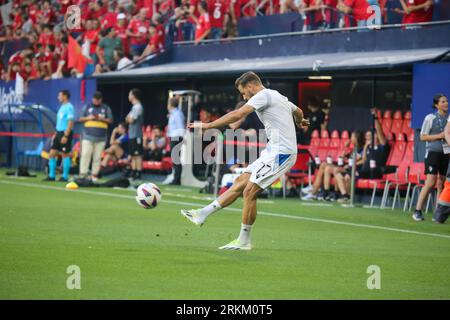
(277, 114)
(123, 63)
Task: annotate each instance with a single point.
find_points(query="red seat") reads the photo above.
(335, 143)
(314, 143)
(324, 145)
(397, 123)
(406, 127)
(386, 122)
(398, 151)
(345, 137)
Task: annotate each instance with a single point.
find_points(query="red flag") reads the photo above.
(76, 59)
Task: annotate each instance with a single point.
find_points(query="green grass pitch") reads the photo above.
(300, 251)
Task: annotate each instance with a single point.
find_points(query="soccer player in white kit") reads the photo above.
(278, 115)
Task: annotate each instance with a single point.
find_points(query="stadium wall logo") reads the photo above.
(73, 17)
(8, 96)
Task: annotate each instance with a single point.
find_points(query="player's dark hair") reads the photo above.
(97, 95)
(436, 99)
(136, 93)
(66, 93)
(247, 78)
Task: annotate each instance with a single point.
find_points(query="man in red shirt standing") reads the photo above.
(121, 31)
(217, 10)
(137, 32)
(359, 9)
(416, 11)
(203, 27)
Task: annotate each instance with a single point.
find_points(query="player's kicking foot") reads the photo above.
(236, 245)
(193, 216)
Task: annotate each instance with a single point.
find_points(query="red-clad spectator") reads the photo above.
(17, 19)
(46, 14)
(203, 28)
(249, 8)
(137, 32)
(159, 25)
(359, 9)
(19, 56)
(121, 31)
(95, 10)
(64, 4)
(155, 45)
(44, 58)
(109, 20)
(331, 14)
(165, 6)
(46, 36)
(12, 71)
(217, 10)
(235, 8)
(29, 72)
(149, 5)
(416, 11)
(33, 12)
(92, 35)
(193, 7)
(312, 15)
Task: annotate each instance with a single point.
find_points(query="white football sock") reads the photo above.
(210, 209)
(244, 236)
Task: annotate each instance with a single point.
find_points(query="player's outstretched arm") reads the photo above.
(230, 117)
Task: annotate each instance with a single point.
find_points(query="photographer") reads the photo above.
(436, 151)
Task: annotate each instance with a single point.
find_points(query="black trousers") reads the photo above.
(176, 167)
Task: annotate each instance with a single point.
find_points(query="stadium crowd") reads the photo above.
(116, 33)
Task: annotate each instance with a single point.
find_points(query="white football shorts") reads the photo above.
(269, 167)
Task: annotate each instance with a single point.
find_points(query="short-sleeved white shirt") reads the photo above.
(275, 112)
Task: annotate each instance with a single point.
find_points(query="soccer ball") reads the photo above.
(148, 195)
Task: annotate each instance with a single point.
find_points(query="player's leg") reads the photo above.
(230, 196)
(443, 208)
(329, 170)
(317, 183)
(430, 182)
(52, 164)
(199, 216)
(87, 148)
(67, 162)
(96, 158)
(243, 242)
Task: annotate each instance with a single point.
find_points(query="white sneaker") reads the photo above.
(193, 216)
(309, 196)
(236, 245)
(306, 190)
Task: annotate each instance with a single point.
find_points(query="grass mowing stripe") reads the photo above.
(240, 210)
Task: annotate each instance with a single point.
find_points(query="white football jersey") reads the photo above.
(275, 112)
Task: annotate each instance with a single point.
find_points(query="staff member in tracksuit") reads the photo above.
(62, 140)
(436, 155)
(96, 117)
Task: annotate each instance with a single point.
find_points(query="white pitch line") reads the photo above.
(107, 194)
